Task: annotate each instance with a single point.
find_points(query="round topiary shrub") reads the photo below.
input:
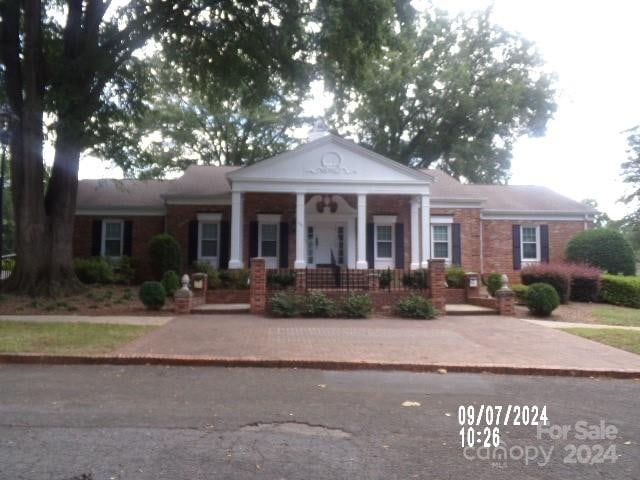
(170, 282)
(152, 294)
(494, 283)
(602, 248)
(164, 254)
(542, 299)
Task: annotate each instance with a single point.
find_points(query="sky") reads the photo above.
(593, 49)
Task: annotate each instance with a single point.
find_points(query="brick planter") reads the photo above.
(224, 295)
(455, 295)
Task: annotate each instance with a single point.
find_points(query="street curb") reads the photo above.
(202, 361)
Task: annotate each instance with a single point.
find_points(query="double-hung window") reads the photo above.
(441, 242)
(269, 239)
(384, 241)
(112, 238)
(530, 243)
(209, 238)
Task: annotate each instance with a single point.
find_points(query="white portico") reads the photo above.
(334, 181)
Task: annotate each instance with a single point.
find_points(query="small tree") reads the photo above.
(164, 252)
(603, 248)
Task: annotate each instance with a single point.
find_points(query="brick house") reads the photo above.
(328, 202)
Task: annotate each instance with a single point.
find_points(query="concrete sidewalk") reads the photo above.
(110, 319)
(476, 341)
(554, 324)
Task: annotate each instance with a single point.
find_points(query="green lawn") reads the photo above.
(628, 340)
(65, 338)
(629, 317)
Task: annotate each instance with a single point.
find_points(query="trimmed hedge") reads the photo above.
(585, 283)
(94, 270)
(542, 299)
(603, 248)
(415, 306)
(170, 282)
(521, 292)
(152, 294)
(455, 277)
(316, 304)
(494, 283)
(556, 275)
(621, 290)
(164, 254)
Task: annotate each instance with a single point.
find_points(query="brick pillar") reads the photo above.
(436, 283)
(374, 281)
(182, 301)
(301, 280)
(200, 284)
(472, 285)
(506, 301)
(258, 286)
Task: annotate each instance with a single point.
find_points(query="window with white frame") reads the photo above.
(112, 238)
(209, 238)
(269, 238)
(384, 241)
(530, 243)
(441, 241)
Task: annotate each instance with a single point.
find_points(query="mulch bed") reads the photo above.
(96, 300)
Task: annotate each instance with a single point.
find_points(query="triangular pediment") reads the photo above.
(330, 160)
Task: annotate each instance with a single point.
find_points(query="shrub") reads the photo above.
(316, 304)
(285, 304)
(237, 279)
(585, 283)
(170, 282)
(124, 270)
(494, 283)
(213, 279)
(415, 279)
(164, 254)
(603, 248)
(152, 294)
(415, 306)
(93, 270)
(280, 278)
(557, 275)
(542, 299)
(455, 277)
(355, 306)
(384, 279)
(620, 290)
(521, 292)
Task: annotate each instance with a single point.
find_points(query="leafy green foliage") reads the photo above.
(152, 295)
(235, 279)
(170, 282)
(415, 306)
(459, 92)
(542, 299)
(384, 279)
(416, 279)
(455, 277)
(556, 275)
(621, 290)
(277, 279)
(494, 283)
(355, 305)
(285, 304)
(164, 254)
(316, 304)
(521, 292)
(93, 270)
(603, 248)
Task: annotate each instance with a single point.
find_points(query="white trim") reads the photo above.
(532, 216)
(123, 212)
(523, 260)
(197, 200)
(384, 262)
(269, 217)
(456, 203)
(330, 187)
(270, 262)
(209, 217)
(449, 256)
(104, 236)
(385, 219)
(441, 219)
(215, 260)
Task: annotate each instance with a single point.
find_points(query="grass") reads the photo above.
(628, 340)
(66, 338)
(628, 317)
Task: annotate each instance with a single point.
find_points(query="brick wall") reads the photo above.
(469, 220)
(143, 229)
(498, 243)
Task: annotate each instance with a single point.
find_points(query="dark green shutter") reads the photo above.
(127, 238)
(96, 238)
(284, 245)
(399, 245)
(456, 247)
(193, 242)
(515, 229)
(370, 241)
(544, 243)
(225, 241)
(253, 240)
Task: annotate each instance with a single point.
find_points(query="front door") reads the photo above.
(325, 244)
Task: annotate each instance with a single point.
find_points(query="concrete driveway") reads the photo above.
(480, 341)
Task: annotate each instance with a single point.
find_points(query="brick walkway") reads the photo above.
(486, 340)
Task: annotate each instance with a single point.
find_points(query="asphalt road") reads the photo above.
(106, 422)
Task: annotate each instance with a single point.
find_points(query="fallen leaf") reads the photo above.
(322, 385)
(442, 370)
(410, 404)
(447, 414)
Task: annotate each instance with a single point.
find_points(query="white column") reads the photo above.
(425, 216)
(235, 260)
(361, 262)
(415, 234)
(301, 233)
